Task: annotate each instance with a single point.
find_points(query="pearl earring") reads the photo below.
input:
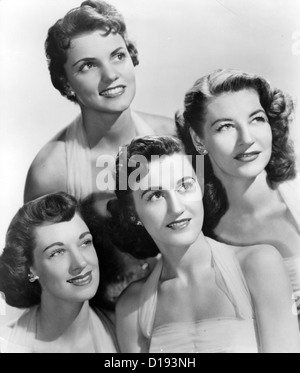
(201, 150)
(70, 92)
(32, 278)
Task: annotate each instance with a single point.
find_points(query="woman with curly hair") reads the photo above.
(252, 190)
(91, 63)
(49, 266)
(203, 295)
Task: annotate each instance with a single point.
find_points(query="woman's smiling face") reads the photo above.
(100, 71)
(169, 202)
(65, 261)
(237, 134)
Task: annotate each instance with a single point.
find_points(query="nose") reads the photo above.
(78, 262)
(245, 136)
(175, 205)
(109, 74)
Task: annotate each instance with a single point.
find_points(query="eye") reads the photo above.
(56, 253)
(86, 66)
(156, 196)
(225, 127)
(120, 56)
(260, 119)
(187, 186)
(87, 243)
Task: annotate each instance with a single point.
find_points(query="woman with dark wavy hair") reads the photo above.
(49, 266)
(203, 295)
(91, 63)
(252, 190)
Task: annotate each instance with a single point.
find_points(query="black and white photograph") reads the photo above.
(150, 178)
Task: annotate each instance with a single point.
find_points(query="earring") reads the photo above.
(70, 92)
(201, 150)
(32, 278)
(134, 220)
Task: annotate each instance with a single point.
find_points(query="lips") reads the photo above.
(247, 156)
(179, 224)
(113, 92)
(82, 280)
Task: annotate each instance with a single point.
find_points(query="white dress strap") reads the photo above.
(142, 128)
(18, 336)
(79, 159)
(148, 300)
(78, 153)
(290, 193)
(231, 280)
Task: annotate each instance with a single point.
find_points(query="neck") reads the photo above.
(55, 318)
(186, 261)
(107, 127)
(248, 195)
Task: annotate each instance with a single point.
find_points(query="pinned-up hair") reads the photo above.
(279, 108)
(92, 15)
(17, 256)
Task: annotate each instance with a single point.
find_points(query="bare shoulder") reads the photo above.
(257, 257)
(160, 124)
(47, 172)
(128, 303)
(254, 260)
(263, 267)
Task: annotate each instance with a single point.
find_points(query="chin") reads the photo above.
(184, 239)
(85, 295)
(115, 108)
(252, 172)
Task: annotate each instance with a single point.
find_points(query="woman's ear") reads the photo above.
(196, 139)
(33, 270)
(198, 143)
(32, 276)
(70, 90)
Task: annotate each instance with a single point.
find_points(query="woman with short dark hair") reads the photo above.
(203, 295)
(49, 266)
(92, 63)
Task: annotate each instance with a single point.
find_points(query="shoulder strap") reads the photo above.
(108, 325)
(290, 193)
(148, 300)
(231, 280)
(78, 154)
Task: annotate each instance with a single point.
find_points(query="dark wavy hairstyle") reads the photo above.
(279, 109)
(127, 235)
(17, 257)
(92, 15)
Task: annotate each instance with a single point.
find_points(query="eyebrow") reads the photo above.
(152, 189)
(117, 50)
(85, 59)
(62, 244)
(92, 59)
(257, 112)
(229, 120)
